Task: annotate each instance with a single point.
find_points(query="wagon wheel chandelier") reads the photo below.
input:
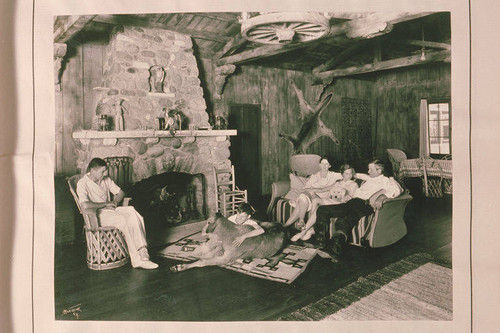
(284, 27)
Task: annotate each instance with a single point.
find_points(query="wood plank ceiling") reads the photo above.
(347, 49)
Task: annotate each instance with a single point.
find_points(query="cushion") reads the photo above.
(305, 164)
(296, 185)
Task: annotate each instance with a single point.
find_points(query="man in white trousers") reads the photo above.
(94, 190)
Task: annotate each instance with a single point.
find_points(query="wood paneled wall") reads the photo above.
(396, 104)
(76, 102)
(270, 87)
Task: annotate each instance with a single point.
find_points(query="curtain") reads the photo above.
(424, 129)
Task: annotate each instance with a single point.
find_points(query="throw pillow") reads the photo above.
(296, 185)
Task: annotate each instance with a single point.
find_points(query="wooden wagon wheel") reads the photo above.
(285, 27)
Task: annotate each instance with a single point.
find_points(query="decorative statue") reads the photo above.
(119, 126)
(312, 127)
(173, 120)
(157, 75)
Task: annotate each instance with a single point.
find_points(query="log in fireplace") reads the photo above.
(169, 199)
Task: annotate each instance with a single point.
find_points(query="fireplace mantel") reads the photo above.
(88, 134)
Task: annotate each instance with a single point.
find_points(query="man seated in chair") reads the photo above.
(94, 190)
(376, 189)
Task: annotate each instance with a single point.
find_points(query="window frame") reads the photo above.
(444, 100)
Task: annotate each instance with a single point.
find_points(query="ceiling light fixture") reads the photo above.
(422, 51)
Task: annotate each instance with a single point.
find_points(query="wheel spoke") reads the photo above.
(309, 25)
(262, 29)
(294, 25)
(271, 38)
(262, 34)
(315, 28)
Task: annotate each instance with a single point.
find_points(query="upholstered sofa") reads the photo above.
(384, 227)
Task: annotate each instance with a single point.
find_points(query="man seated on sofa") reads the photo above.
(376, 189)
(93, 191)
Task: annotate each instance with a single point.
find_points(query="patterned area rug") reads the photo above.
(292, 261)
(414, 288)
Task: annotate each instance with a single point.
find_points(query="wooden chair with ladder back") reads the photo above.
(228, 195)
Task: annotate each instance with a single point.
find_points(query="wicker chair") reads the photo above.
(106, 247)
(396, 156)
(447, 183)
(432, 185)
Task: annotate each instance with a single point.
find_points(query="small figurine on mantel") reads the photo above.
(173, 120)
(119, 123)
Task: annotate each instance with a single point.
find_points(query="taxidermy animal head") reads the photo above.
(312, 127)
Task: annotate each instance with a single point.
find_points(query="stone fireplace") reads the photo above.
(127, 90)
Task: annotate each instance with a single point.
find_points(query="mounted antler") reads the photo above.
(312, 126)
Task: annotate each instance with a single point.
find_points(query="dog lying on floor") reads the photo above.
(219, 249)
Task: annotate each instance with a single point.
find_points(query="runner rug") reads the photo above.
(415, 288)
(293, 260)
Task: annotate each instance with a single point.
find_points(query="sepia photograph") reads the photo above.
(263, 166)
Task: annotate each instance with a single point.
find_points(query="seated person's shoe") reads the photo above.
(143, 253)
(146, 264)
(337, 244)
(300, 225)
(298, 236)
(321, 239)
(308, 234)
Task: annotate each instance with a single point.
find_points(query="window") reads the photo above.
(439, 128)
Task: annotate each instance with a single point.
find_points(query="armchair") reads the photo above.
(106, 247)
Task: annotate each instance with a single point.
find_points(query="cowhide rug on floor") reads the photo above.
(293, 260)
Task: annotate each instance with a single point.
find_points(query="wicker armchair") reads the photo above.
(106, 247)
(396, 156)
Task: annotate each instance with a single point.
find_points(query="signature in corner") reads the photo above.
(74, 310)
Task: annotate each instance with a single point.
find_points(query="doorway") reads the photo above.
(245, 148)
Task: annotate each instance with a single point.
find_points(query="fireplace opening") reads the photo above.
(170, 199)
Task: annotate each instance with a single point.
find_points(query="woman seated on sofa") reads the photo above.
(318, 186)
(342, 191)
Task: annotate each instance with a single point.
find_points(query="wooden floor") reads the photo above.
(217, 294)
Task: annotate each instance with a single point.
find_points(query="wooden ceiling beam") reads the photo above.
(444, 56)
(228, 17)
(67, 26)
(231, 46)
(428, 44)
(366, 27)
(128, 20)
(342, 56)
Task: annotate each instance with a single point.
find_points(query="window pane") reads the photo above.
(433, 115)
(439, 128)
(445, 129)
(445, 115)
(433, 128)
(445, 148)
(434, 148)
(443, 107)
